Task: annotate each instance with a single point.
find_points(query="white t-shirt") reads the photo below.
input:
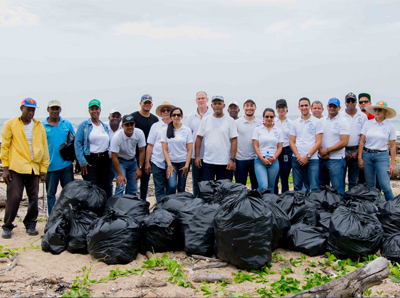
(333, 129)
(177, 150)
(29, 136)
(377, 135)
(356, 123)
(217, 134)
(193, 121)
(285, 127)
(267, 140)
(99, 139)
(111, 133)
(245, 130)
(154, 138)
(126, 146)
(305, 133)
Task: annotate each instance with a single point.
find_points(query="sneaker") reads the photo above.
(6, 234)
(32, 232)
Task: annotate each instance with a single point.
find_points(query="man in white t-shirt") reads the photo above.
(193, 121)
(233, 109)
(123, 149)
(220, 143)
(114, 122)
(332, 162)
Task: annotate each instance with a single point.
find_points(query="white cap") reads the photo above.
(249, 99)
(115, 111)
(233, 102)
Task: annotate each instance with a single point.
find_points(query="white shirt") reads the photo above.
(98, 139)
(356, 123)
(177, 150)
(154, 138)
(245, 130)
(333, 129)
(111, 133)
(267, 140)
(285, 127)
(305, 133)
(193, 121)
(126, 146)
(29, 136)
(217, 134)
(378, 135)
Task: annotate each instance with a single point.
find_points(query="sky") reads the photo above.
(116, 51)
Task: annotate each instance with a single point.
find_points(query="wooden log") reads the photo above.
(353, 284)
(217, 265)
(151, 283)
(205, 258)
(212, 277)
(149, 255)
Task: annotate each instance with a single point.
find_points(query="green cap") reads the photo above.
(94, 102)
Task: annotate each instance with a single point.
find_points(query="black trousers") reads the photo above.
(15, 191)
(100, 172)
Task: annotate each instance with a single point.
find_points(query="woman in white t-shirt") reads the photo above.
(91, 149)
(373, 154)
(177, 145)
(267, 142)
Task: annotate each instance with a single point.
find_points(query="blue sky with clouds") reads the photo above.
(116, 51)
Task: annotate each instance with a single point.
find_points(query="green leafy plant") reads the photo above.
(78, 288)
(285, 271)
(367, 293)
(296, 262)
(34, 246)
(380, 293)
(207, 291)
(237, 294)
(241, 276)
(312, 264)
(394, 269)
(282, 287)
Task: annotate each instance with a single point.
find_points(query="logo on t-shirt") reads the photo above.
(275, 134)
(48, 129)
(289, 125)
(359, 120)
(336, 126)
(183, 134)
(384, 131)
(311, 127)
(135, 142)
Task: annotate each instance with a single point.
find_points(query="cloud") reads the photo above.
(146, 29)
(279, 27)
(15, 16)
(262, 1)
(312, 22)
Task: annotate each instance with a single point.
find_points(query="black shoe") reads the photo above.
(6, 234)
(32, 232)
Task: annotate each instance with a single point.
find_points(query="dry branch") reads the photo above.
(150, 283)
(212, 277)
(205, 258)
(14, 263)
(217, 265)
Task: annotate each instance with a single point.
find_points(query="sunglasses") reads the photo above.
(350, 100)
(377, 110)
(176, 115)
(165, 110)
(270, 117)
(363, 102)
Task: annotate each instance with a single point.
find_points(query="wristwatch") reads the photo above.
(140, 167)
(233, 159)
(309, 156)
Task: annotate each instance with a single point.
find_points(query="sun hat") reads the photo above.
(391, 113)
(29, 102)
(94, 102)
(165, 104)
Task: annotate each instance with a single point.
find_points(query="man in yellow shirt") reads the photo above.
(25, 159)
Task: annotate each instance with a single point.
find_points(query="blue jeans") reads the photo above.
(144, 182)
(266, 176)
(218, 172)
(197, 176)
(160, 181)
(63, 176)
(310, 170)
(177, 180)
(128, 169)
(333, 171)
(285, 165)
(352, 169)
(244, 168)
(377, 164)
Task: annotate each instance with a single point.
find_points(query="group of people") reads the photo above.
(319, 150)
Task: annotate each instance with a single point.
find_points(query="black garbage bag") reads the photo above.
(80, 220)
(90, 196)
(207, 188)
(56, 238)
(243, 231)
(162, 232)
(366, 206)
(268, 196)
(362, 193)
(174, 203)
(390, 220)
(391, 248)
(280, 222)
(196, 221)
(298, 209)
(353, 233)
(307, 239)
(227, 190)
(129, 205)
(114, 238)
(324, 219)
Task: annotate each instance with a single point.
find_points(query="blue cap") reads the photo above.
(146, 97)
(334, 101)
(29, 102)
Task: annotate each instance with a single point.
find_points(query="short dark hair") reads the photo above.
(304, 98)
(268, 110)
(317, 102)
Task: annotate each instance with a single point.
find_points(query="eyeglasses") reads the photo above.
(350, 100)
(271, 117)
(176, 115)
(361, 102)
(377, 110)
(165, 110)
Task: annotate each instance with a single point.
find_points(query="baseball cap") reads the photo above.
(128, 119)
(29, 102)
(364, 95)
(281, 102)
(54, 103)
(334, 101)
(115, 111)
(351, 95)
(217, 97)
(146, 97)
(233, 102)
(249, 99)
(94, 102)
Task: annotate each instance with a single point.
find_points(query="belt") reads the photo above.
(286, 147)
(126, 159)
(352, 148)
(101, 154)
(373, 150)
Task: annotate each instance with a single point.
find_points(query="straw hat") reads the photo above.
(391, 113)
(165, 104)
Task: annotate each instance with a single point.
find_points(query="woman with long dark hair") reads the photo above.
(177, 144)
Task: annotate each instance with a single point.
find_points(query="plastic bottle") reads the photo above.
(267, 155)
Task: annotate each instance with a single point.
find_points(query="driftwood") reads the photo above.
(151, 283)
(212, 277)
(205, 258)
(353, 284)
(14, 263)
(217, 265)
(3, 260)
(149, 255)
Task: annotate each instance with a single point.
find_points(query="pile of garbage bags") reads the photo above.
(238, 225)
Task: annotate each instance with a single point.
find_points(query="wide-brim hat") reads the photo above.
(165, 104)
(391, 113)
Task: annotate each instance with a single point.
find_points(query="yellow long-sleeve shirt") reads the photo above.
(15, 151)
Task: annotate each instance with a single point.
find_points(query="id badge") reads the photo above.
(286, 158)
